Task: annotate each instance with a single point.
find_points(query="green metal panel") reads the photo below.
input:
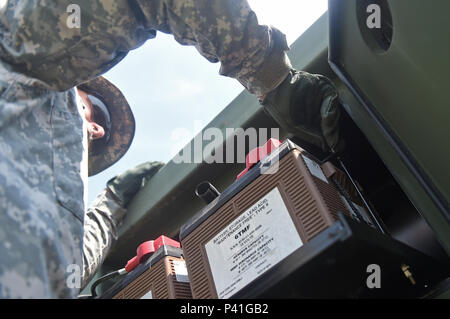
(406, 91)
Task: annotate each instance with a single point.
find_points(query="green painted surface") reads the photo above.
(409, 86)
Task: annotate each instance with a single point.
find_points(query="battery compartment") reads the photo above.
(396, 213)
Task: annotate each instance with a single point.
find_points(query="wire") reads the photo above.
(105, 278)
(374, 217)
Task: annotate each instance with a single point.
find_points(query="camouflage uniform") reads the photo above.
(42, 148)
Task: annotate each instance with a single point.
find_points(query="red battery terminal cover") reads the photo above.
(149, 247)
(257, 154)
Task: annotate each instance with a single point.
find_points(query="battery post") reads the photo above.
(408, 274)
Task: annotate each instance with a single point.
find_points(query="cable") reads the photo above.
(372, 214)
(105, 278)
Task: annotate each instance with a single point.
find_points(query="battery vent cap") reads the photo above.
(147, 248)
(257, 154)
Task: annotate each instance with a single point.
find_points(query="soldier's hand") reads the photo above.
(306, 105)
(125, 185)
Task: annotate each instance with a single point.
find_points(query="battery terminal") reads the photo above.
(408, 274)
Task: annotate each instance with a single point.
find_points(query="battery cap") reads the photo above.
(257, 154)
(147, 248)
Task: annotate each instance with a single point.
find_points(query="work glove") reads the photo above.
(124, 186)
(306, 105)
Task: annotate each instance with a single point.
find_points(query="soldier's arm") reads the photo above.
(101, 223)
(106, 213)
(225, 31)
(38, 40)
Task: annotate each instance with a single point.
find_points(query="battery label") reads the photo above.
(251, 244)
(148, 295)
(315, 169)
(181, 274)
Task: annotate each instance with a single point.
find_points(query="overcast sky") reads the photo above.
(170, 86)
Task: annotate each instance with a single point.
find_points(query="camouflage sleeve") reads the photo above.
(225, 31)
(102, 220)
(67, 42)
(41, 38)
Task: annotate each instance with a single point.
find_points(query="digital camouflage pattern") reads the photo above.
(42, 171)
(37, 41)
(41, 193)
(100, 231)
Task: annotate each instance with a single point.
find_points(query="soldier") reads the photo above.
(44, 131)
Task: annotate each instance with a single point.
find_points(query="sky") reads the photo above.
(172, 88)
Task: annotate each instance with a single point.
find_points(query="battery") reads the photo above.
(274, 208)
(162, 276)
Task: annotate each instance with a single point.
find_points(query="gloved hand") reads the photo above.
(124, 186)
(306, 105)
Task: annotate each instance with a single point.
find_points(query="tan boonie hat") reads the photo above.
(112, 112)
